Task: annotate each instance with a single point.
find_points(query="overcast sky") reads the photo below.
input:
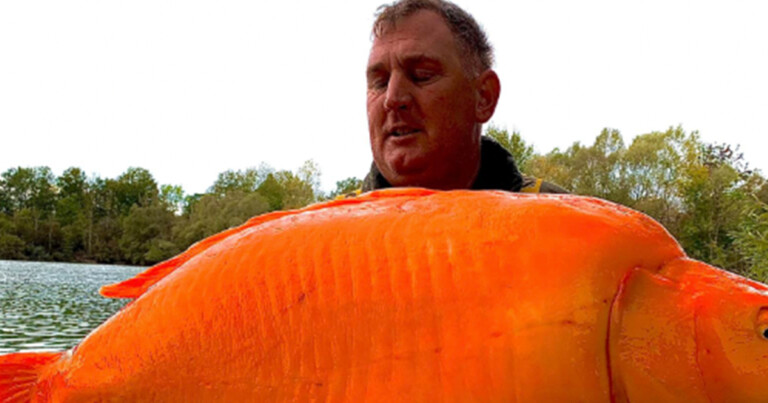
(190, 89)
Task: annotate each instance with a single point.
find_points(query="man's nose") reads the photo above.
(398, 94)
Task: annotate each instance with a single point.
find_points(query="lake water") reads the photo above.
(52, 306)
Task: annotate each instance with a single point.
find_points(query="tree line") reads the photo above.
(131, 219)
(704, 194)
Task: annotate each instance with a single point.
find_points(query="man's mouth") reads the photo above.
(403, 132)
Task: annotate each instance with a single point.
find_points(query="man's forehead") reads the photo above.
(420, 24)
(423, 35)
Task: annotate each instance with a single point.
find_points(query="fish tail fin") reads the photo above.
(20, 373)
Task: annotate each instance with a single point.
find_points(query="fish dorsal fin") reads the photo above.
(134, 287)
(20, 372)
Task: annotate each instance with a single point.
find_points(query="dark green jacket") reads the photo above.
(498, 171)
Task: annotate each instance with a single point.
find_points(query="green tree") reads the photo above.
(236, 181)
(105, 243)
(72, 197)
(173, 197)
(211, 214)
(147, 234)
(596, 170)
(762, 191)
(135, 186)
(309, 173)
(751, 240)
(346, 186)
(189, 203)
(30, 197)
(11, 246)
(29, 188)
(6, 204)
(272, 191)
(654, 164)
(104, 222)
(715, 191)
(298, 190)
(244, 181)
(17, 187)
(73, 211)
(521, 152)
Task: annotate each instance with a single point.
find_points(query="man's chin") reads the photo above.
(408, 177)
(402, 167)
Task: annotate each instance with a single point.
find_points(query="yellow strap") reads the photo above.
(354, 193)
(532, 189)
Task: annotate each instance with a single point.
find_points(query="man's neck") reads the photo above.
(496, 170)
(463, 177)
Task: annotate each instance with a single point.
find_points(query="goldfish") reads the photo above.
(422, 296)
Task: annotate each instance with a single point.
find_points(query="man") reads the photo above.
(430, 89)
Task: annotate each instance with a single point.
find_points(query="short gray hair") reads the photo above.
(472, 40)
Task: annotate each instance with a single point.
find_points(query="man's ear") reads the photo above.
(488, 91)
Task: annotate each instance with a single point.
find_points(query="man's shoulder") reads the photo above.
(354, 193)
(537, 185)
(530, 185)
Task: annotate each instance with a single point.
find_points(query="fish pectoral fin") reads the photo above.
(652, 346)
(19, 374)
(134, 287)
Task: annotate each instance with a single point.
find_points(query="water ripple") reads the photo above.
(52, 306)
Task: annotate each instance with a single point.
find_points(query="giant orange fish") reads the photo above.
(422, 296)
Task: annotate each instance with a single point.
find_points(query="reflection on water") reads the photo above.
(52, 306)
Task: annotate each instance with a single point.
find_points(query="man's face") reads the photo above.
(421, 106)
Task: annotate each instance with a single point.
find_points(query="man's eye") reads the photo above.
(422, 75)
(377, 83)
